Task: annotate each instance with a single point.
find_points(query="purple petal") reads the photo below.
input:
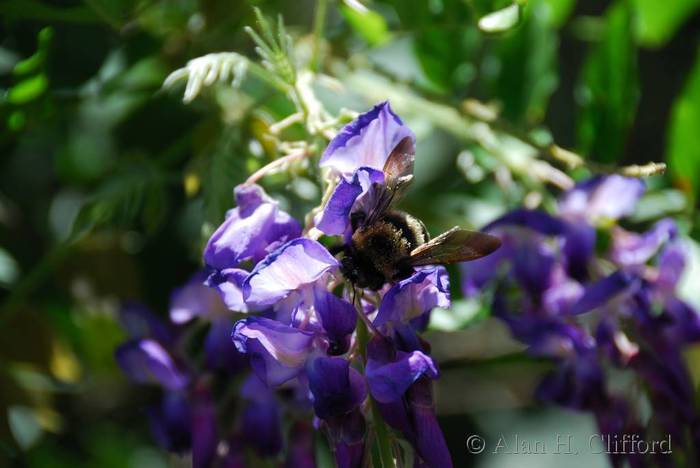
(194, 299)
(335, 217)
(140, 322)
(429, 440)
(533, 265)
(561, 296)
(388, 381)
(577, 383)
(261, 426)
(671, 265)
(301, 453)
(337, 388)
(349, 455)
(605, 290)
(338, 318)
(250, 231)
(636, 249)
(146, 361)
(415, 296)
(475, 275)
(219, 351)
(170, 422)
(297, 264)
(538, 221)
(578, 248)
(602, 198)
(204, 433)
(277, 351)
(229, 284)
(366, 141)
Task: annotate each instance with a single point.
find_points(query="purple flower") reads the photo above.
(353, 195)
(416, 295)
(195, 299)
(601, 198)
(170, 421)
(251, 230)
(337, 388)
(337, 317)
(261, 421)
(391, 372)
(294, 267)
(219, 351)
(229, 284)
(146, 361)
(277, 352)
(204, 432)
(366, 141)
(636, 249)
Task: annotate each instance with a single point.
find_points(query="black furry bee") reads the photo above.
(387, 244)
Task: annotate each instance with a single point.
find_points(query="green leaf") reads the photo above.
(608, 89)
(683, 151)
(369, 25)
(27, 90)
(501, 20)
(527, 76)
(658, 21)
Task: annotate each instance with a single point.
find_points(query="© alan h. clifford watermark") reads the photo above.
(567, 444)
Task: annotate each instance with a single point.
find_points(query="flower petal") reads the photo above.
(604, 290)
(219, 351)
(335, 218)
(146, 361)
(415, 296)
(366, 141)
(336, 387)
(195, 299)
(170, 422)
(636, 249)
(389, 379)
(538, 221)
(229, 284)
(602, 198)
(295, 265)
(338, 319)
(250, 231)
(277, 351)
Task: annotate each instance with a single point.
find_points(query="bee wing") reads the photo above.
(454, 246)
(398, 174)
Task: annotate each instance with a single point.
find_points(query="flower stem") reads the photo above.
(319, 23)
(380, 429)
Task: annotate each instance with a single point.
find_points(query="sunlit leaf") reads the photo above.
(27, 90)
(658, 21)
(32, 63)
(501, 20)
(368, 24)
(684, 134)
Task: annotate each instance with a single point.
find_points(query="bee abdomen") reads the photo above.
(412, 229)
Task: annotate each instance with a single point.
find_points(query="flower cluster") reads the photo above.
(352, 356)
(599, 301)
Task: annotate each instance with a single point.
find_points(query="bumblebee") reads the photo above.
(386, 245)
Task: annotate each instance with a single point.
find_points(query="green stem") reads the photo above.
(380, 429)
(319, 23)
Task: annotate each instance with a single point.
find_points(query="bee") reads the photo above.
(386, 245)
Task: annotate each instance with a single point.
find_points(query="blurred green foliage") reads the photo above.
(109, 185)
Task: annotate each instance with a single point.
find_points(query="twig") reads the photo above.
(277, 163)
